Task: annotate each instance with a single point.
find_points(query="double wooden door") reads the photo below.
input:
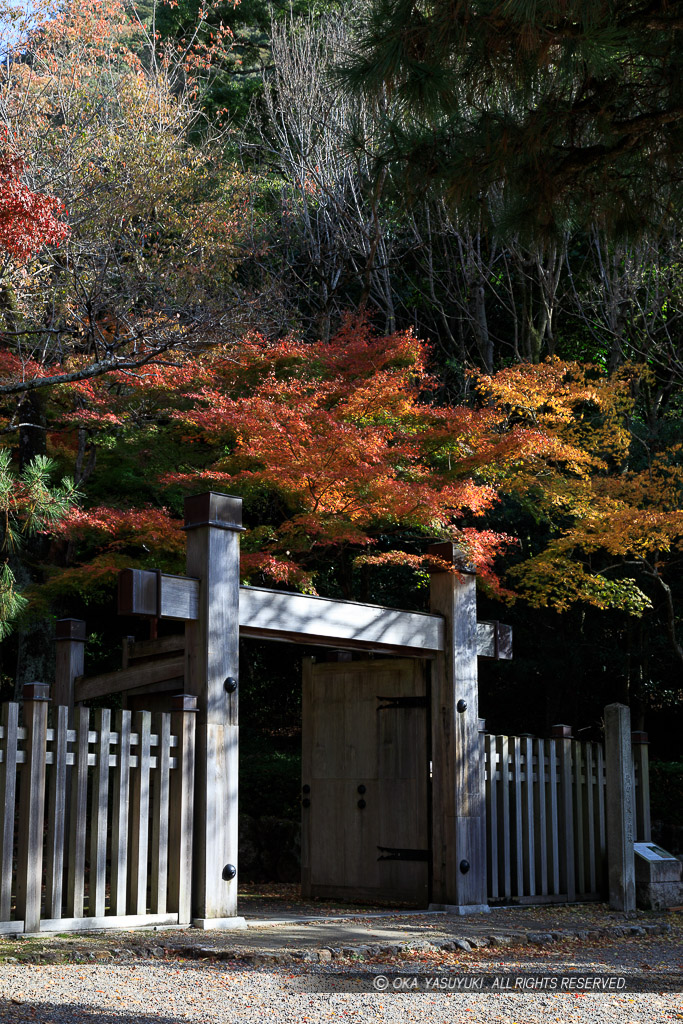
(365, 780)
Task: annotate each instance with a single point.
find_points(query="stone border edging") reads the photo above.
(464, 943)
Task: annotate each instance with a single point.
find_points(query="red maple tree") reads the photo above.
(28, 220)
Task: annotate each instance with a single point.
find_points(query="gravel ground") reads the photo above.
(172, 989)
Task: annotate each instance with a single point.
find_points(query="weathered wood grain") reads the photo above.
(98, 814)
(302, 618)
(183, 725)
(77, 818)
(8, 789)
(57, 814)
(160, 815)
(213, 525)
(69, 658)
(144, 674)
(458, 798)
(566, 819)
(120, 813)
(528, 818)
(32, 808)
(139, 816)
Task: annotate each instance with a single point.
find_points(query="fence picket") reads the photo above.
(56, 815)
(8, 791)
(183, 722)
(160, 809)
(516, 822)
(504, 873)
(590, 818)
(120, 812)
(79, 801)
(566, 819)
(528, 822)
(98, 814)
(492, 816)
(540, 822)
(600, 821)
(553, 819)
(139, 818)
(579, 845)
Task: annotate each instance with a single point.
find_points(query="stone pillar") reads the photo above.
(213, 523)
(458, 797)
(619, 808)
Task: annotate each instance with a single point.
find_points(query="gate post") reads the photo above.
(70, 642)
(213, 523)
(619, 808)
(458, 797)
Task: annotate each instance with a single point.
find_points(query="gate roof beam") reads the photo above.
(301, 618)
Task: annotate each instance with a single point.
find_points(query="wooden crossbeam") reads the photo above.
(89, 687)
(300, 618)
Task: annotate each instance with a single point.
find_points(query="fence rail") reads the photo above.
(96, 825)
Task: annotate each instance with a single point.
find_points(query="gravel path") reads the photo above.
(174, 990)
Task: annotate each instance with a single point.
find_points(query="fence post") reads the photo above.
(458, 796)
(619, 800)
(32, 806)
(70, 659)
(183, 723)
(641, 764)
(565, 812)
(8, 792)
(213, 523)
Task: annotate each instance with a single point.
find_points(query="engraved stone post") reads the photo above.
(619, 800)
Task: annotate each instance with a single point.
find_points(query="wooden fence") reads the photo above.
(96, 826)
(546, 819)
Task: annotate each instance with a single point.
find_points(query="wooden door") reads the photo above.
(365, 780)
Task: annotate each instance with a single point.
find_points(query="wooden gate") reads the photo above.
(365, 780)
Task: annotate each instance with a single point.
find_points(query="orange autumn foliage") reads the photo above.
(615, 522)
(341, 436)
(344, 455)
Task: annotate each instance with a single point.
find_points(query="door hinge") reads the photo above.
(402, 702)
(400, 853)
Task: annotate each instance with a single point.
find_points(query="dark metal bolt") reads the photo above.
(229, 872)
(305, 789)
(361, 804)
(305, 802)
(230, 685)
(464, 866)
(461, 706)
(361, 789)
